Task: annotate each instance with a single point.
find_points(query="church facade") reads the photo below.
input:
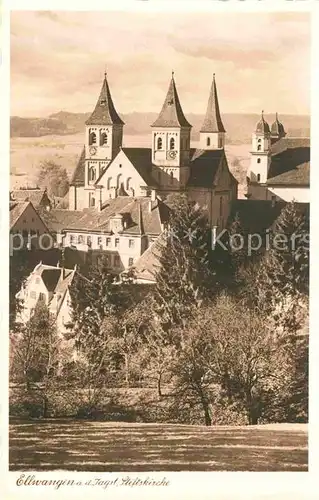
(106, 170)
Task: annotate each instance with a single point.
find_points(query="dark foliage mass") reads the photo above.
(53, 178)
(218, 340)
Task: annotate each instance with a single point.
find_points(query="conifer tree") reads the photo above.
(283, 277)
(189, 270)
(92, 299)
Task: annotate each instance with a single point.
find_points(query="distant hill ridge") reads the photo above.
(239, 127)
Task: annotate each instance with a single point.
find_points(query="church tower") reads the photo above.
(277, 130)
(171, 142)
(260, 153)
(103, 139)
(212, 133)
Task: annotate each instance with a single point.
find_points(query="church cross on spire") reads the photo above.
(171, 114)
(104, 112)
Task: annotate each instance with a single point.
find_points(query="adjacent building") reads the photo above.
(27, 228)
(38, 197)
(49, 285)
(280, 166)
(121, 230)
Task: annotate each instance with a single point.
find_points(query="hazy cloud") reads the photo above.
(58, 59)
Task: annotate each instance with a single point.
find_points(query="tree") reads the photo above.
(36, 349)
(92, 299)
(105, 319)
(19, 270)
(192, 371)
(53, 177)
(189, 269)
(157, 353)
(231, 347)
(282, 281)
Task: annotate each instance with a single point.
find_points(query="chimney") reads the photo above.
(273, 201)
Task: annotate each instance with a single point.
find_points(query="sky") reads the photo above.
(261, 60)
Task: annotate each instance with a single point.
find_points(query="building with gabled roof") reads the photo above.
(106, 170)
(38, 197)
(122, 229)
(48, 285)
(280, 165)
(27, 228)
(147, 266)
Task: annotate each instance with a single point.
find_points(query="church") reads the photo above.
(106, 170)
(280, 166)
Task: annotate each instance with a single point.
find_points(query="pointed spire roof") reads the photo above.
(104, 112)
(171, 114)
(213, 121)
(277, 127)
(262, 126)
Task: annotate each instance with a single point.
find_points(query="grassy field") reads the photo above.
(26, 154)
(105, 446)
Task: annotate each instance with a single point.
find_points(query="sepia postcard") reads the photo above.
(156, 307)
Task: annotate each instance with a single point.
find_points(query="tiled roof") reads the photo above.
(150, 215)
(298, 176)
(57, 219)
(171, 114)
(34, 195)
(50, 278)
(213, 121)
(291, 166)
(204, 166)
(104, 112)
(298, 142)
(79, 172)
(16, 210)
(99, 221)
(148, 265)
(256, 216)
(54, 278)
(141, 158)
(289, 143)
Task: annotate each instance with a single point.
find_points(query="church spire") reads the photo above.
(171, 114)
(213, 121)
(212, 133)
(105, 112)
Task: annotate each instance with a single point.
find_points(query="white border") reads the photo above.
(225, 485)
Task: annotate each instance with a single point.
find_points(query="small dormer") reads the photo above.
(117, 223)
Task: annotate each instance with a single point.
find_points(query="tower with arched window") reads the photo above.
(171, 142)
(212, 133)
(260, 152)
(103, 137)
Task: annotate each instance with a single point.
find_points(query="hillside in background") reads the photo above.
(239, 126)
